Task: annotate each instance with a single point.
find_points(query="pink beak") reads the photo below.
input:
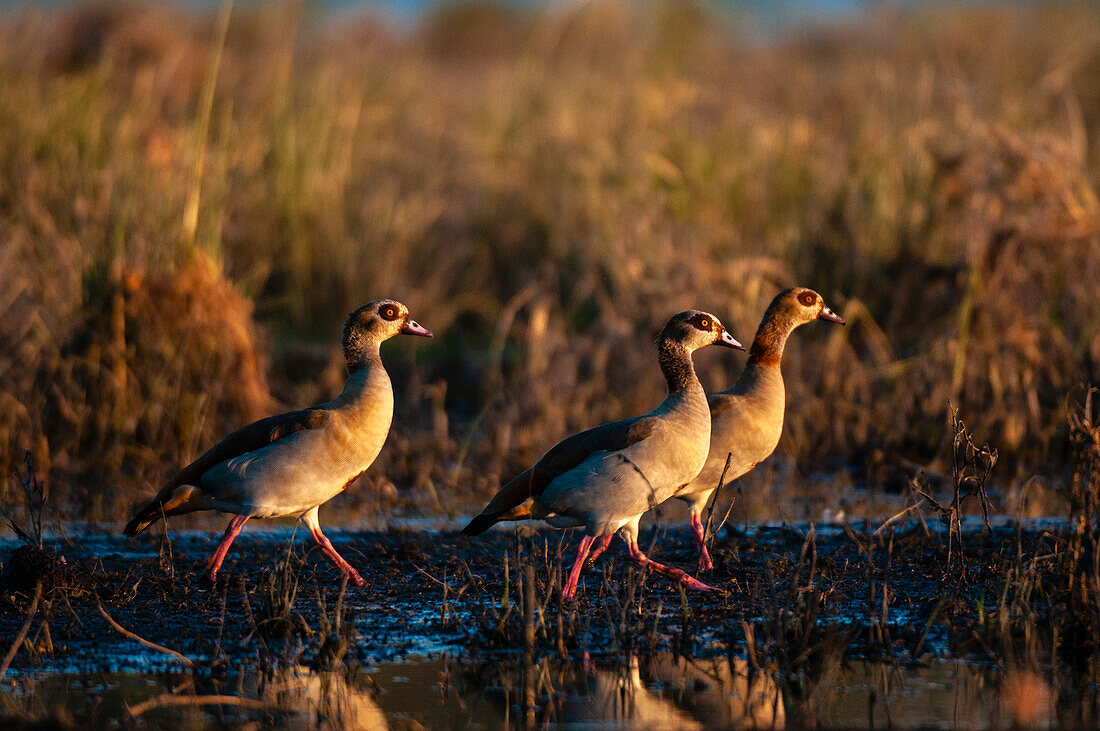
(412, 327)
(827, 314)
(728, 341)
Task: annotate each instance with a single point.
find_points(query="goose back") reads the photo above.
(308, 467)
(608, 488)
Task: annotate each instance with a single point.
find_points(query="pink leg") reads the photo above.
(697, 530)
(231, 532)
(575, 572)
(680, 576)
(600, 546)
(326, 547)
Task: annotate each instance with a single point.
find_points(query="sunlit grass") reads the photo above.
(542, 189)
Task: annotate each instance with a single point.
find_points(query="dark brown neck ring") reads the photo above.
(676, 364)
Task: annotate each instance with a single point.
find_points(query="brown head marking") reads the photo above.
(702, 322)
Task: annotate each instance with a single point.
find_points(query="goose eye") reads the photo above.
(389, 312)
(704, 324)
(806, 298)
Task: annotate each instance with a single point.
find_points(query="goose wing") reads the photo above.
(564, 456)
(246, 439)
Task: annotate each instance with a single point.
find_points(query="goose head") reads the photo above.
(798, 305)
(694, 329)
(370, 325)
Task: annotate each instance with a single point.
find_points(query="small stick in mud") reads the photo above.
(970, 467)
(707, 534)
(151, 645)
(170, 699)
(529, 604)
(23, 632)
(897, 516)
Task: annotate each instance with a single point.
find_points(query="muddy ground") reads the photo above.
(798, 602)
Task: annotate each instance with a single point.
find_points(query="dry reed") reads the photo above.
(542, 188)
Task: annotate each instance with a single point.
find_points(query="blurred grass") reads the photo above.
(185, 220)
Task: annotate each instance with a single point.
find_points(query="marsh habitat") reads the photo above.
(193, 196)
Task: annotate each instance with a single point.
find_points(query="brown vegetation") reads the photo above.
(542, 189)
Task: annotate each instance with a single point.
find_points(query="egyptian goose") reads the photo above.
(292, 463)
(747, 418)
(605, 478)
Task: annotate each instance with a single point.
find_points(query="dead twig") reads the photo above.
(23, 632)
(428, 575)
(169, 699)
(970, 467)
(895, 518)
(855, 537)
(35, 494)
(707, 534)
(127, 633)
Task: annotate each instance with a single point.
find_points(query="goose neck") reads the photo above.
(675, 360)
(368, 387)
(767, 347)
(362, 354)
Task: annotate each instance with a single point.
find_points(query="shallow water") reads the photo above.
(658, 692)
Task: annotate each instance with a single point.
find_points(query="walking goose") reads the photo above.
(605, 478)
(747, 418)
(292, 463)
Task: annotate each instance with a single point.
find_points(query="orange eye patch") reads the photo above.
(806, 298)
(389, 312)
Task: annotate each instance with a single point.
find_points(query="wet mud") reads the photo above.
(806, 617)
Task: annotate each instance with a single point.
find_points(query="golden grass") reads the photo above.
(542, 189)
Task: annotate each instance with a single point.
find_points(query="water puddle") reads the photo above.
(655, 692)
